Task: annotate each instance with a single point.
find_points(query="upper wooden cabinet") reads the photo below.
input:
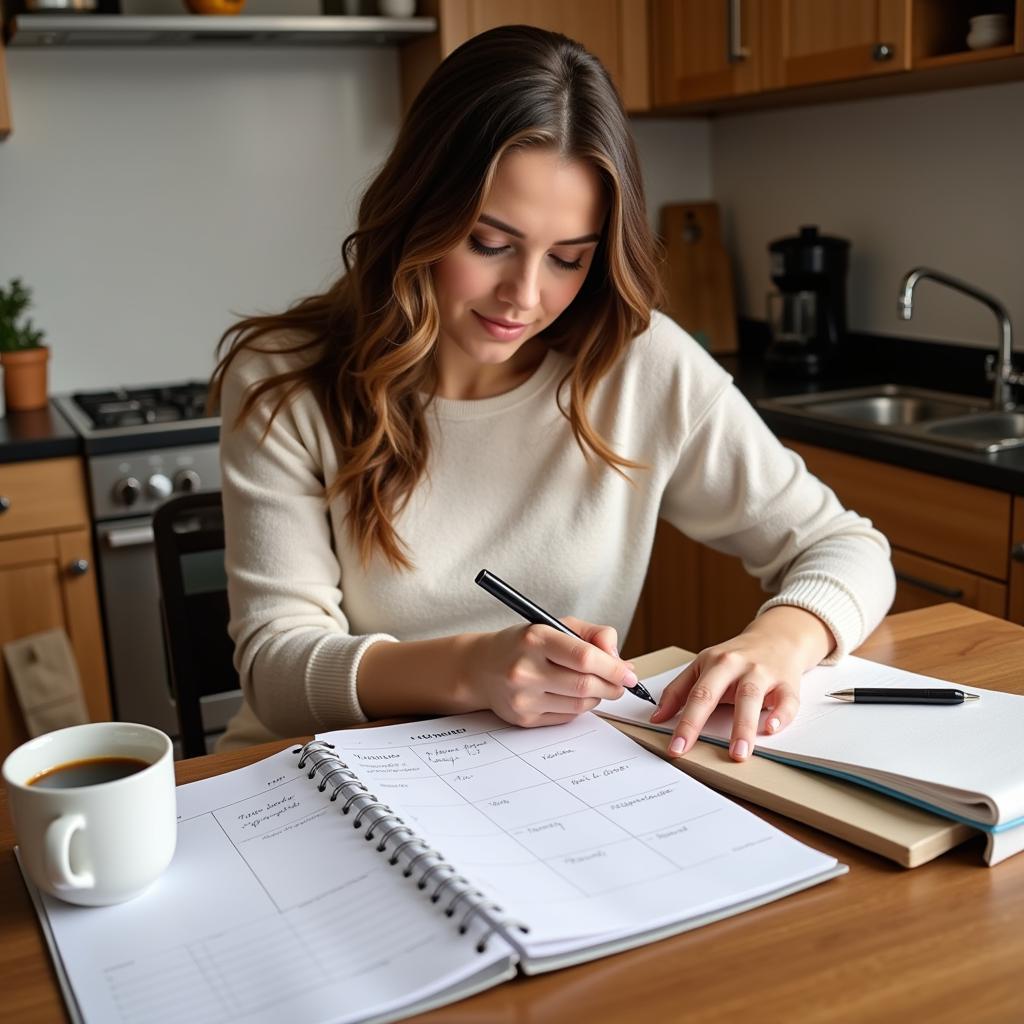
(704, 50)
(721, 55)
(806, 42)
(616, 31)
(717, 49)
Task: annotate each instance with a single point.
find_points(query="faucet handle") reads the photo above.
(1011, 379)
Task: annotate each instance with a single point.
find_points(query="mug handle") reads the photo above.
(57, 853)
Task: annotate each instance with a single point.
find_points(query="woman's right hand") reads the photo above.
(535, 675)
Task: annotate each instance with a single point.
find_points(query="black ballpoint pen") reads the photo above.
(893, 695)
(511, 598)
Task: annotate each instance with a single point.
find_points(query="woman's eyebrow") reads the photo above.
(516, 233)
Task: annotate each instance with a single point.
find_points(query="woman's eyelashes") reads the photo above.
(496, 250)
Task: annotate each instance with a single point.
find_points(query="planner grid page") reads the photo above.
(574, 829)
(273, 908)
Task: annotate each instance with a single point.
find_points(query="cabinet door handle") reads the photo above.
(5, 503)
(79, 567)
(953, 593)
(1017, 552)
(883, 51)
(737, 51)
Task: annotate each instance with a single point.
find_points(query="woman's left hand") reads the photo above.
(760, 668)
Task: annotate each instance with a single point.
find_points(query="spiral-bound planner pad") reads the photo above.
(378, 872)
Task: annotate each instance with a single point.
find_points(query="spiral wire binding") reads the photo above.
(381, 818)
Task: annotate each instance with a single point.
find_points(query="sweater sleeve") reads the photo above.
(737, 489)
(294, 652)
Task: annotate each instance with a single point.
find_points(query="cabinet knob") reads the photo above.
(5, 503)
(1017, 552)
(883, 51)
(79, 567)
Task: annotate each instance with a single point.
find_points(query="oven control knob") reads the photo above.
(159, 486)
(186, 480)
(127, 490)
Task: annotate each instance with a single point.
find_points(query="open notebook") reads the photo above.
(964, 762)
(470, 850)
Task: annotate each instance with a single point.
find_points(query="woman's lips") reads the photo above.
(503, 330)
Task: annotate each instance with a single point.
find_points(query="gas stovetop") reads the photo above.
(130, 419)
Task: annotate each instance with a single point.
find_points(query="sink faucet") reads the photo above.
(1003, 376)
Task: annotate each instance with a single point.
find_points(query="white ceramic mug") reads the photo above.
(94, 844)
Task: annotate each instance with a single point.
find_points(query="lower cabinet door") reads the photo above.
(46, 582)
(30, 602)
(695, 597)
(921, 582)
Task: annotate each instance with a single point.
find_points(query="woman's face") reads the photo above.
(522, 264)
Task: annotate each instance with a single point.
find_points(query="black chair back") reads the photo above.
(189, 535)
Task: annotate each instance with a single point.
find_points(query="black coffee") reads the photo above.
(89, 772)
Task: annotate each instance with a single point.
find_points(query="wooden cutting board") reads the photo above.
(697, 275)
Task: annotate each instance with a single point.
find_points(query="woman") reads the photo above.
(487, 386)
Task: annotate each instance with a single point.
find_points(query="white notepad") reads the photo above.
(965, 761)
(276, 907)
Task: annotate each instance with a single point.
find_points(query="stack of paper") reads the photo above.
(964, 762)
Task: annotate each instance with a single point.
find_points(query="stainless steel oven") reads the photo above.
(142, 446)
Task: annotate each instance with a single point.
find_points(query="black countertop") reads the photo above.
(40, 434)
(873, 360)
(45, 434)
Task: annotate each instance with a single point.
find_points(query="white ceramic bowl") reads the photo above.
(988, 30)
(397, 8)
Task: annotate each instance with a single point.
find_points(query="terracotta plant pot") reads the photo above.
(215, 6)
(25, 378)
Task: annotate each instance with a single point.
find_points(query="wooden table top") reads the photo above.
(942, 942)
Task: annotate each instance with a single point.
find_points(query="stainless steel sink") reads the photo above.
(1001, 428)
(889, 409)
(960, 421)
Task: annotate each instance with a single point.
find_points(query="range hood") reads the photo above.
(85, 30)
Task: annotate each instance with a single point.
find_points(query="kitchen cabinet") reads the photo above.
(47, 579)
(714, 56)
(702, 51)
(806, 42)
(950, 541)
(5, 105)
(616, 31)
(1016, 600)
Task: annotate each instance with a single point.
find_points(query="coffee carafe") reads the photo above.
(807, 314)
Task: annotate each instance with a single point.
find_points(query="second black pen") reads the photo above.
(511, 598)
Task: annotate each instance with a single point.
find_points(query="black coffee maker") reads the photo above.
(807, 315)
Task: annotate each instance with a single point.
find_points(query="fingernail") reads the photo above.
(740, 748)
(629, 680)
(677, 746)
(773, 724)
(615, 651)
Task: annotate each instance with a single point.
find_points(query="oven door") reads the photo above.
(130, 589)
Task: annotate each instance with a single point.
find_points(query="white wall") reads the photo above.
(676, 160)
(146, 194)
(934, 179)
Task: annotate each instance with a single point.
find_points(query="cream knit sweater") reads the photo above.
(508, 489)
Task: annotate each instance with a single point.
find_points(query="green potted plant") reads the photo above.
(22, 352)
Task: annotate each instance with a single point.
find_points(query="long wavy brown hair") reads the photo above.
(368, 340)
